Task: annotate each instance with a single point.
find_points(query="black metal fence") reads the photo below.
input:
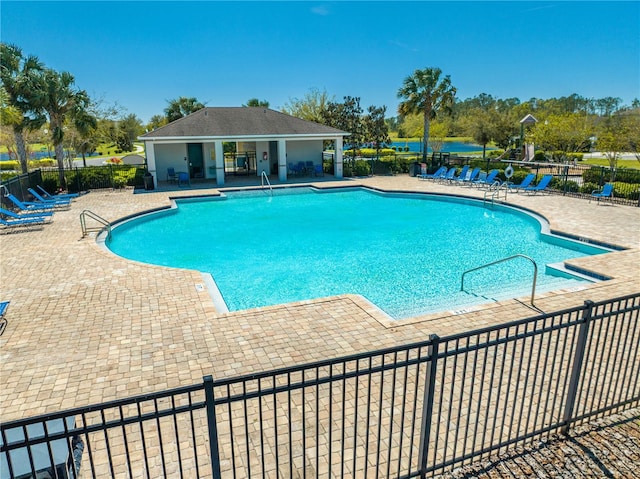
(408, 411)
(570, 179)
(77, 179)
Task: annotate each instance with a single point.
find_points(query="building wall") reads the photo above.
(170, 155)
(304, 151)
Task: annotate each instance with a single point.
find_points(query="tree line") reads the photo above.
(39, 103)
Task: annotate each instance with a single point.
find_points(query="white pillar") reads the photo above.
(150, 153)
(337, 167)
(219, 163)
(282, 160)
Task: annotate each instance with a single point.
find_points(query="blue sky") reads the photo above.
(142, 54)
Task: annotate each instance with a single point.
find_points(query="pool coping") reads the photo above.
(221, 306)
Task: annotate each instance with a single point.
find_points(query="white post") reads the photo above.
(150, 153)
(219, 163)
(337, 167)
(282, 160)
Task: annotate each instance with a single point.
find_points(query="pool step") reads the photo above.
(497, 293)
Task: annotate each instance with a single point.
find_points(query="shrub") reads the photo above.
(518, 176)
(50, 184)
(9, 165)
(119, 182)
(571, 186)
(539, 156)
(361, 168)
(589, 187)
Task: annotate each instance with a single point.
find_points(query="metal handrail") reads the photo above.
(535, 271)
(495, 189)
(263, 178)
(95, 217)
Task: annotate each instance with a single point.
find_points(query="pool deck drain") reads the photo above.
(86, 326)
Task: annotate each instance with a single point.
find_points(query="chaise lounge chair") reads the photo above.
(463, 173)
(488, 180)
(541, 186)
(48, 195)
(54, 201)
(450, 175)
(16, 216)
(526, 181)
(468, 177)
(29, 221)
(4, 305)
(607, 192)
(434, 176)
(30, 205)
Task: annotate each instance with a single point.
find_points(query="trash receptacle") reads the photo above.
(148, 181)
(414, 169)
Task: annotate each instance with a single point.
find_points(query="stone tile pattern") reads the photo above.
(86, 326)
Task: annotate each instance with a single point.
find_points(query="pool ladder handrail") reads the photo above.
(494, 189)
(90, 214)
(535, 271)
(264, 178)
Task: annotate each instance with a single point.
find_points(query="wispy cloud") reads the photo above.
(402, 45)
(322, 10)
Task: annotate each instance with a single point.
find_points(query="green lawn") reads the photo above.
(635, 164)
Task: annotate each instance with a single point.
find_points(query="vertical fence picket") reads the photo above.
(577, 366)
(212, 426)
(427, 404)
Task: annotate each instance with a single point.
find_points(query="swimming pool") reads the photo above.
(404, 252)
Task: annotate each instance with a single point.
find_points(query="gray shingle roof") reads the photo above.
(240, 121)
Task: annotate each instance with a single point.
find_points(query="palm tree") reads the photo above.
(85, 125)
(17, 74)
(180, 107)
(62, 101)
(427, 94)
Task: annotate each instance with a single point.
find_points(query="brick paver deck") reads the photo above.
(86, 326)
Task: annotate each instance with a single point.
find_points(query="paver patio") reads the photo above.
(86, 326)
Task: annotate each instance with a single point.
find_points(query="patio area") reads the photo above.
(86, 326)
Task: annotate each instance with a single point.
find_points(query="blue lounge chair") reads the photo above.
(463, 173)
(172, 177)
(30, 221)
(488, 180)
(607, 192)
(541, 186)
(29, 205)
(450, 174)
(437, 174)
(15, 216)
(470, 177)
(318, 170)
(55, 201)
(4, 305)
(526, 181)
(48, 195)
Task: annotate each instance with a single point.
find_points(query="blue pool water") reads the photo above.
(405, 253)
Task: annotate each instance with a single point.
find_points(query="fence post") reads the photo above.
(577, 366)
(427, 404)
(212, 426)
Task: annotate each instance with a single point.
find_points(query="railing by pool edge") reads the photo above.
(408, 411)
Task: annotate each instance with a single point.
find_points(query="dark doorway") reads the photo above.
(196, 160)
(273, 157)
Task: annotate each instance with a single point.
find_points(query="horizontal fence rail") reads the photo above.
(410, 411)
